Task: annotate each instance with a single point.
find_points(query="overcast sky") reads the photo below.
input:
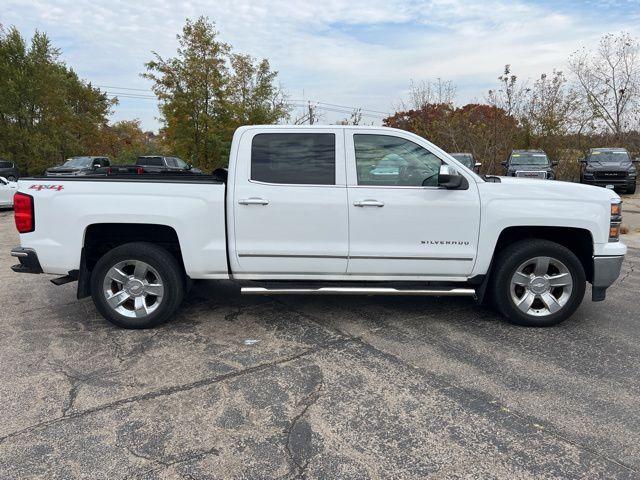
(359, 53)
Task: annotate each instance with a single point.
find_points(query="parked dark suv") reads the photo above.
(530, 164)
(9, 170)
(609, 167)
(161, 163)
(468, 160)
(76, 166)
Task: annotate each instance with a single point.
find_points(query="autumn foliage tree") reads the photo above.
(206, 91)
(47, 112)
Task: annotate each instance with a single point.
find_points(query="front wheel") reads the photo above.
(137, 285)
(538, 283)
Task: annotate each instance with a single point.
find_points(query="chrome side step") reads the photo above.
(424, 292)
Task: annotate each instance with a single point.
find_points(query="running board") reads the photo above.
(426, 292)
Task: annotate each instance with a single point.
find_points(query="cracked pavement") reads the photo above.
(344, 387)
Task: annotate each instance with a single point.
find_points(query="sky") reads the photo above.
(356, 53)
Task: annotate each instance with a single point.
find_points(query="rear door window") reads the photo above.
(294, 158)
(151, 161)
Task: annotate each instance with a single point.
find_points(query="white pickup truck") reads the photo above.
(323, 210)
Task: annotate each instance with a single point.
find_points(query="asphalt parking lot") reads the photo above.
(348, 387)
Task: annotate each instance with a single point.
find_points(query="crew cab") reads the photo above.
(309, 210)
(609, 167)
(152, 163)
(78, 166)
(530, 164)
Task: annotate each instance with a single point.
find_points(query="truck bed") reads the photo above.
(65, 207)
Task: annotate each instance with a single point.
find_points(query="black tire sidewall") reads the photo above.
(166, 266)
(512, 257)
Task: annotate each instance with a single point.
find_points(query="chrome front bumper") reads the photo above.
(605, 271)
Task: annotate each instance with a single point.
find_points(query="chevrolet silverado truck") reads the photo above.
(609, 167)
(530, 164)
(307, 210)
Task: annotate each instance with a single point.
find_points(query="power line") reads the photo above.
(124, 88)
(337, 108)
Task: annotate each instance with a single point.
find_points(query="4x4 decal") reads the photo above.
(39, 187)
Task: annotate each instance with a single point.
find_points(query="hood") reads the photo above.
(609, 165)
(62, 169)
(530, 168)
(557, 189)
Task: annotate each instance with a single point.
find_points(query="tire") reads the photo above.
(523, 264)
(145, 281)
(631, 189)
(12, 178)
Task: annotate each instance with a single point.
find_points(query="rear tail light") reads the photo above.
(139, 170)
(23, 210)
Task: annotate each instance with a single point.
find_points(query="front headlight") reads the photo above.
(616, 220)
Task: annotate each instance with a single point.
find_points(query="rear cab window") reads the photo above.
(294, 158)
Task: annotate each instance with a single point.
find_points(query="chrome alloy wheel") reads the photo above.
(541, 286)
(133, 288)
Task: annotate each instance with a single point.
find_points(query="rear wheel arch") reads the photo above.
(100, 238)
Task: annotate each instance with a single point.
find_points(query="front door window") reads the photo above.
(384, 160)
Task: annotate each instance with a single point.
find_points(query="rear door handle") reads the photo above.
(253, 201)
(368, 203)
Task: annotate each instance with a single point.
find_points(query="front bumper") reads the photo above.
(616, 182)
(605, 271)
(28, 258)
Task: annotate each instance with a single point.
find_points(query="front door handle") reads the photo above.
(368, 203)
(253, 201)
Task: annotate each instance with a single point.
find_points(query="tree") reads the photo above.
(511, 95)
(124, 141)
(426, 92)
(206, 91)
(46, 112)
(609, 80)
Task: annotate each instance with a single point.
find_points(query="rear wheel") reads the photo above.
(631, 189)
(12, 178)
(538, 283)
(137, 285)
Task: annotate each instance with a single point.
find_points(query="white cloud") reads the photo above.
(357, 52)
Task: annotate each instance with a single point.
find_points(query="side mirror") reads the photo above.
(554, 164)
(478, 165)
(504, 164)
(452, 182)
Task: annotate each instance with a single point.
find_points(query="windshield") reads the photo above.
(180, 163)
(609, 157)
(78, 162)
(464, 158)
(529, 158)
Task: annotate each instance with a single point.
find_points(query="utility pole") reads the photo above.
(311, 114)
